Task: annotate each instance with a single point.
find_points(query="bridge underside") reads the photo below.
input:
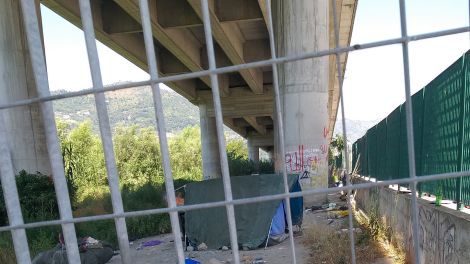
(240, 35)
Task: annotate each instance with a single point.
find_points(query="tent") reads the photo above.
(254, 220)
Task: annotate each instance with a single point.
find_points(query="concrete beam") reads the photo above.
(181, 43)
(230, 39)
(116, 21)
(256, 50)
(262, 6)
(265, 120)
(243, 110)
(176, 14)
(252, 121)
(183, 16)
(239, 95)
(262, 141)
(237, 10)
(130, 46)
(229, 122)
(240, 102)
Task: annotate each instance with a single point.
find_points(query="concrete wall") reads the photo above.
(444, 234)
(24, 124)
(302, 26)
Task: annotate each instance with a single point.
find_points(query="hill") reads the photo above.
(355, 128)
(131, 107)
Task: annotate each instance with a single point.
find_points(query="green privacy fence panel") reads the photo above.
(441, 126)
(372, 152)
(382, 146)
(365, 157)
(393, 141)
(418, 115)
(441, 133)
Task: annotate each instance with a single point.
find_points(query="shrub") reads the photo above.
(37, 198)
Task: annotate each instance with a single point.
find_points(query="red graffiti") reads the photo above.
(301, 160)
(326, 132)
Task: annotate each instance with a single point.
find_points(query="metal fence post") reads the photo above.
(461, 134)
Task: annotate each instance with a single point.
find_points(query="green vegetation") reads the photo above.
(138, 160)
(335, 157)
(129, 107)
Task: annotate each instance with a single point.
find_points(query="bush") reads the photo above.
(239, 166)
(37, 198)
(148, 196)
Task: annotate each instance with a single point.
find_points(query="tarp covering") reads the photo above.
(253, 220)
(278, 225)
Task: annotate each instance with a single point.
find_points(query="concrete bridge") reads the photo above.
(309, 88)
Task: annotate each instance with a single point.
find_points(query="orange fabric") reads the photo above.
(179, 201)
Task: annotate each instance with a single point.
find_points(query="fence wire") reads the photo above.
(363, 149)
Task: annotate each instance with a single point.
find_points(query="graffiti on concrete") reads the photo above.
(428, 224)
(447, 227)
(310, 163)
(303, 160)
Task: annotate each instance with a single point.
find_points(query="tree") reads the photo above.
(186, 157)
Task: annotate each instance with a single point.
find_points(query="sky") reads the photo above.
(373, 84)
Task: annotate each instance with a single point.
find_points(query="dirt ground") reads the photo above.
(165, 253)
(280, 254)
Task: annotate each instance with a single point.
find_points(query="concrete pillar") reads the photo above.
(24, 124)
(210, 146)
(302, 26)
(253, 153)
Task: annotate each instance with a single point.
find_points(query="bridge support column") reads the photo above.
(253, 153)
(302, 26)
(24, 124)
(210, 147)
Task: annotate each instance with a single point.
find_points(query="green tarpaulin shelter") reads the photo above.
(253, 220)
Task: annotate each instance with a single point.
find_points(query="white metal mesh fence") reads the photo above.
(67, 221)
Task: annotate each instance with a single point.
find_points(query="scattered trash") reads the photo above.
(190, 248)
(338, 214)
(224, 248)
(91, 251)
(150, 243)
(356, 229)
(191, 261)
(258, 260)
(202, 247)
(324, 207)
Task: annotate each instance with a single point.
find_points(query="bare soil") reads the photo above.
(323, 241)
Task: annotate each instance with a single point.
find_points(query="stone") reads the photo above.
(224, 248)
(213, 261)
(189, 248)
(202, 247)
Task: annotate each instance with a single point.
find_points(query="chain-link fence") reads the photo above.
(366, 146)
